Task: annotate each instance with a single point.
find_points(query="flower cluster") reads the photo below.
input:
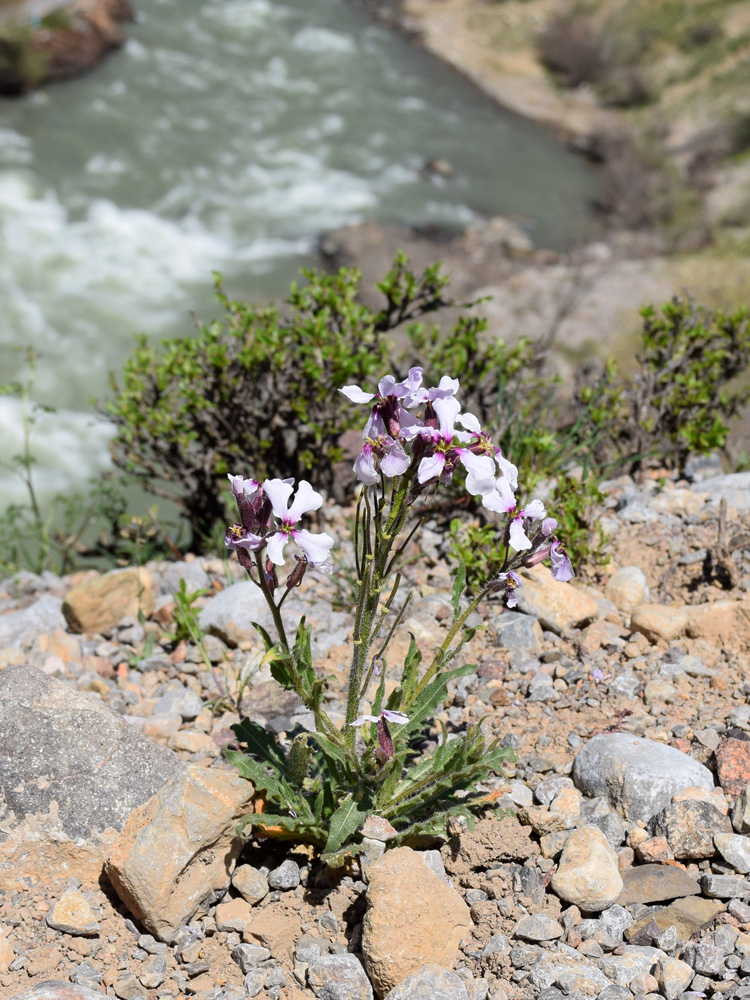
(267, 521)
(421, 431)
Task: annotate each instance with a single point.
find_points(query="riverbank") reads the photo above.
(656, 93)
(66, 42)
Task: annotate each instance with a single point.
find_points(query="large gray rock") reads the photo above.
(20, 628)
(636, 775)
(339, 977)
(430, 983)
(194, 575)
(231, 613)
(57, 989)
(62, 745)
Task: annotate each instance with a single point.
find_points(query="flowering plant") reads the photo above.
(323, 788)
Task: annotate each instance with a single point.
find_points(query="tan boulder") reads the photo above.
(72, 914)
(98, 605)
(718, 622)
(414, 918)
(588, 875)
(658, 621)
(177, 852)
(558, 606)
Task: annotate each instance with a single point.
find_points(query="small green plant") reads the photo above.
(324, 785)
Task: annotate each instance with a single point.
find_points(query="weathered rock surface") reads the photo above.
(430, 983)
(177, 853)
(689, 827)
(638, 776)
(231, 613)
(658, 621)
(558, 606)
(67, 747)
(656, 884)
(72, 914)
(20, 628)
(687, 916)
(338, 977)
(733, 765)
(98, 605)
(627, 589)
(588, 875)
(54, 989)
(413, 919)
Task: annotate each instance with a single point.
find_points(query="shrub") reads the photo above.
(258, 386)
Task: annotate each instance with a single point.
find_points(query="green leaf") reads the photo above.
(345, 821)
(260, 742)
(459, 585)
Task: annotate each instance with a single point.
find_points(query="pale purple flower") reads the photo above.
(315, 546)
(243, 487)
(562, 568)
(237, 537)
(390, 453)
(503, 501)
(507, 581)
(481, 444)
(398, 717)
(598, 676)
(447, 387)
(387, 415)
(548, 526)
(446, 453)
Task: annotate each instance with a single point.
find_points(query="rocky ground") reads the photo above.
(611, 860)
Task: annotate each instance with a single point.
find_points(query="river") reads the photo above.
(228, 135)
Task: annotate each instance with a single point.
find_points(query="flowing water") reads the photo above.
(228, 135)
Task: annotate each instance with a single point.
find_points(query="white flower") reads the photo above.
(315, 546)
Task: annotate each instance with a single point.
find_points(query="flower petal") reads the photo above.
(534, 510)
(431, 467)
(276, 545)
(364, 466)
(396, 462)
(315, 546)
(305, 500)
(363, 719)
(470, 422)
(548, 526)
(357, 395)
(518, 537)
(398, 717)
(447, 410)
(278, 492)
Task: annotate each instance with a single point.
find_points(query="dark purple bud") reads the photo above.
(245, 560)
(295, 577)
(539, 556)
(384, 738)
(271, 579)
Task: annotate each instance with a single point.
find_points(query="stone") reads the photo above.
(21, 628)
(286, 876)
(733, 765)
(654, 849)
(517, 633)
(338, 977)
(155, 974)
(735, 849)
(72, 914)
(413, 918)
(98, 605)
(177, 852)
(377, 828)
(7, 952)
(558, 606)
(687, 916)
(587, 874)
(655, 884)
(659, 690)
(67, 747)
(718, 621)
(705, 958)
(180, 700)
(724, 886)
(631, 962)
(251, 884)
(230, 614)
(194, 575)
(430, 983)
(689, 827)
(636, 775)
(627, 589)
(658, 621)
(538, 927)
(57, 989)
(569, 971)
(248, 956)
(233, 915)
(741, 811)
(673, 976)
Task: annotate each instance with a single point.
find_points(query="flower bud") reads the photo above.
(298, 760)
(271, 578)
(295, 577)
